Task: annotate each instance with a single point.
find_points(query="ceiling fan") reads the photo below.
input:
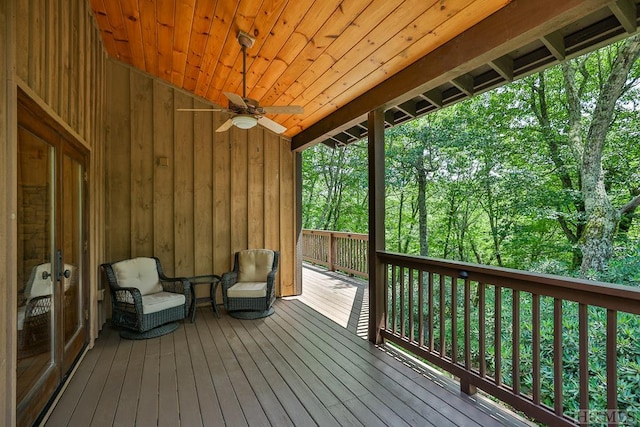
(248, 112)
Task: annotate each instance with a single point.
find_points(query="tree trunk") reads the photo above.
(422, 212)
(601, 218)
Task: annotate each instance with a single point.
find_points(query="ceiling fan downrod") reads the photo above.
(245, 41)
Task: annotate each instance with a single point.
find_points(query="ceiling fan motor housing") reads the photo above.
(245, 39)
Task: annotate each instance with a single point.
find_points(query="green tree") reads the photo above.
(589, 92)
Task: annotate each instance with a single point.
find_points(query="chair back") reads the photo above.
(38, 286)
(140, 273)
(254, 265)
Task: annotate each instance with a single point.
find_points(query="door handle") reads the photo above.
(59, 264)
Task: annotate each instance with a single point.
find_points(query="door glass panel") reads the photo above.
(71, 246)
(35, 253)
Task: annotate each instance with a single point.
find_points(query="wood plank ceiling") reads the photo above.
(320, 54)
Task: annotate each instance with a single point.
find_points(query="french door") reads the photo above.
(51, 297)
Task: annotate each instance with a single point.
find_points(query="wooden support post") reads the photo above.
(376, 224)
(299, 238)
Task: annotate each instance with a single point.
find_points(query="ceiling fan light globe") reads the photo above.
(244, 121)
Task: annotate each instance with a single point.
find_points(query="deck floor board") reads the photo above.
(308, 364)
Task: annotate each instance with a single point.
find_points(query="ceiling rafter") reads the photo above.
(504, 67)
(555, 43)
(625, 12)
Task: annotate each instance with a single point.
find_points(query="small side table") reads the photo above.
(213, 280)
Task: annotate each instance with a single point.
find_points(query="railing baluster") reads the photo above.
(467, 323)
(411, 326)
(402, 303)
(421, 308)
(454, 320)
(557, 355)
(394, 311)
(482, 328)
(430, 296)
(386, 295)
(442, 313)
(515, 352)
(583, 354)
(498, 335)
(612, 361)
(535, 347)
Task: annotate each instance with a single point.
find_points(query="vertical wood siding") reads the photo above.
(61, 64)
(178, 190)
(52, 50)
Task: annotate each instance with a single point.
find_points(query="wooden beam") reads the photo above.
(390, 117)
(329, 143)
(464, 83)
(504, 67)
(355, 132)
(409, 108)
(376, 224)
(555, 43)
(434, 96)
(515, 25)
(625, 12)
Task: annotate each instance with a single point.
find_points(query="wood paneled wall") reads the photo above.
(178, 190)
(51, 50)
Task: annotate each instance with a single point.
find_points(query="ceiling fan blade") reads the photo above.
(236, 99)
(271, 125)
(283, 109)
(225, 126)
(202, 109)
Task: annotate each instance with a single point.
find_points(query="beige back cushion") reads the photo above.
(254, 265)
(140, 273)
(38, 286)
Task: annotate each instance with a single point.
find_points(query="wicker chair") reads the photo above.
(34, 315)
(248, 292)
(144, 301)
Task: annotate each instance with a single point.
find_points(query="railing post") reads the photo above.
(376, 224)
(467, 388)
(330, 254)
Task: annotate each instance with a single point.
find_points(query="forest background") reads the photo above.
(542, 174)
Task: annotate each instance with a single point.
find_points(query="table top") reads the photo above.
(207, 278)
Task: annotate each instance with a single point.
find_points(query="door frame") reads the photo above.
(36, 120)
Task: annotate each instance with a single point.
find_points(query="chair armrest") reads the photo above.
(128, 299)
(178, 285)
(228, 279)
(271, 280)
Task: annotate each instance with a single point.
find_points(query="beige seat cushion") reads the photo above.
(140, 273)
(152, 303)
(254, 265)
(248, 290)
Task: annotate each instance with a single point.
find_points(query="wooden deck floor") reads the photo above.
(302, 366)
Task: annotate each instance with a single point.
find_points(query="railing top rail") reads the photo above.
(344, 234)
(608, 295)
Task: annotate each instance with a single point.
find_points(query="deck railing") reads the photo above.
(335, 250)
(513, 335)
